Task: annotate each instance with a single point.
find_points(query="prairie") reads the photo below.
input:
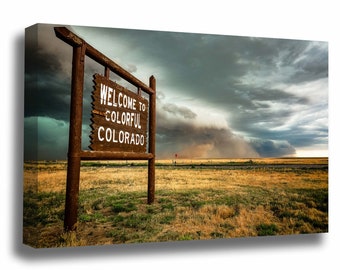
(194, 200)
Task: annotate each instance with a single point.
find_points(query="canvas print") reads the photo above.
(137, 136)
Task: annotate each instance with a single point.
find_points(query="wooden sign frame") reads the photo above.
(75, 152)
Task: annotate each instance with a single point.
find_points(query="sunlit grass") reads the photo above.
(204, 199)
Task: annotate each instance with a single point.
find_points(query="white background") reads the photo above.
(312, 20)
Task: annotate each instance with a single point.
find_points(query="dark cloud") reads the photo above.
(47, 83)
(48, 64)
(45, 138)
(269, 148)
(191, 139)
(269, 90)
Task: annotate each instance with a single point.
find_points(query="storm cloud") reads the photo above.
(217, 96)
(185, 135)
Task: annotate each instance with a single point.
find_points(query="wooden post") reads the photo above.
(107, 73)
(152, 139)
(74, 147)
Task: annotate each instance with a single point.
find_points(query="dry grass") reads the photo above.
(196, 199)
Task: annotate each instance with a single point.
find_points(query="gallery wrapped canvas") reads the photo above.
(137, 136)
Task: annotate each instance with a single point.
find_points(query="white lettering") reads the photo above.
(118, 121)
(108, 135)
(103, 92)
(124, 137)
(124, 118)
(113, 116)
(107, 117)
(99, 137)
(114, 104)
(125, 101)
(128, 117)
(127, 135)
(132, 140)
(121, 136)
(142, 106)
(120, 104)
(109, 97)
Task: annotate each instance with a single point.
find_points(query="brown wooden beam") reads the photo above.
(108, 155)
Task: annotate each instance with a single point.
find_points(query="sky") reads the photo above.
(217, 95)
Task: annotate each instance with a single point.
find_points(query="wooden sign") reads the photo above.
(120, 121)
(119, 118)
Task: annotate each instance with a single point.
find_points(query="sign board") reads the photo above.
(121, 121)
(119, 118)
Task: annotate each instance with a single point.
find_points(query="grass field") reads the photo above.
(194, 199)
